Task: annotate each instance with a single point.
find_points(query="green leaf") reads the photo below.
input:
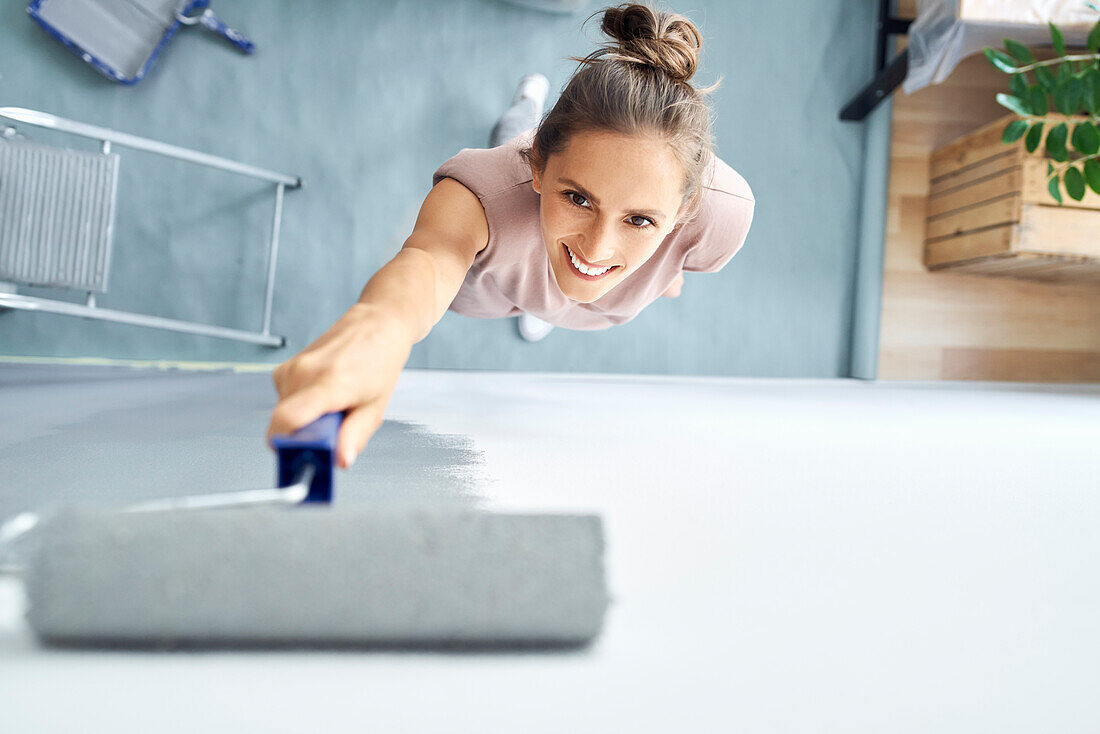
(1015, 131)
(1059, 42)
(1019, 52)
(1086, 139)
(1091, 96)
(1037, 100)
(1075, 184)
(1034, 135)
(1015, 104)
(1067, 97)
(1050, 168)
(1046, 78)
(1056, 142)
(1052, 187)
(1092, 174)
(1018, 86)
(1065, 73)
(1000, 60)
(1074, 89)
(1093, 42)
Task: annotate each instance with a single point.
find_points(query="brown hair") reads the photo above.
(638, 84)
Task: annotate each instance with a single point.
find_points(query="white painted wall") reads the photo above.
(811, 556)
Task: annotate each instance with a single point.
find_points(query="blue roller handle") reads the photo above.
(313, 444)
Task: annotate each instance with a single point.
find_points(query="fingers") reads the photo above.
(302, 408)
(295, 373)
(278, 376)
(329, 376)
(359, 425)
(311, 403)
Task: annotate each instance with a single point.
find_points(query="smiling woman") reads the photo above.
(597, 211)
(581, 222)
(606, 200)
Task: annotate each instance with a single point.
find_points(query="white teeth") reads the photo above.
(584, 268)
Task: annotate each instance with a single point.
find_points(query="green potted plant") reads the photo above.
(1068, 84)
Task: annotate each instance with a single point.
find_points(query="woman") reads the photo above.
(580, 223)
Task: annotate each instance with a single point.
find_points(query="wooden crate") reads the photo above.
(989, 212)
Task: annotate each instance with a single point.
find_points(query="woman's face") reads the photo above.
(607, 202)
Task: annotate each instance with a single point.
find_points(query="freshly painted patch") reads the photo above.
(111, 435)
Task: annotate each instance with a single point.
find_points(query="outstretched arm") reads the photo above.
(354, 366)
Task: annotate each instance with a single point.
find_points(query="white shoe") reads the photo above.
(534, 87)
(533, 329)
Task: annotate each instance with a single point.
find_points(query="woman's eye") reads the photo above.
(639, 221)
(573, 196)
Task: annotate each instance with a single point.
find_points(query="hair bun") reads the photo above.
(665, 41)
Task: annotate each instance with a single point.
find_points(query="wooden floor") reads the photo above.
(968, 327)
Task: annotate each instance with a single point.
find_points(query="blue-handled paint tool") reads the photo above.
(304, 473)
(153, 575)
(310, 449)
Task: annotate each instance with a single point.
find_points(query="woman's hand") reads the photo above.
(674, 289)
(354, 366)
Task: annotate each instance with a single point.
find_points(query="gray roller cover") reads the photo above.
(317, 576)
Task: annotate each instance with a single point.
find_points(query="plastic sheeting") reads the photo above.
(947, 31)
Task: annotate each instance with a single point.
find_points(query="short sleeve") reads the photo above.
(464, 167)
(725, 220)
(487, 171)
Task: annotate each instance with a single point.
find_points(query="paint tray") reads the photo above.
(122, 38)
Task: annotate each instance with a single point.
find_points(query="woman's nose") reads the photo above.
(599, 243)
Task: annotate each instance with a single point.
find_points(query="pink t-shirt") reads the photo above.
(513, 274)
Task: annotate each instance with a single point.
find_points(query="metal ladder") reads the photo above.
(11, 299)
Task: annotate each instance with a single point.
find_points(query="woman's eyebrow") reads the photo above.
(580, 190)
(652, 213)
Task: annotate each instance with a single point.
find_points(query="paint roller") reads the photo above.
(287, 567)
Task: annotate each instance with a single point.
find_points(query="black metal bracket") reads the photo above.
(888, 76)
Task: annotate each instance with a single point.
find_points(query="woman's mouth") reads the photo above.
(581, 270)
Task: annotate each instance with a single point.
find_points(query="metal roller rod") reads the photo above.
(290, 495)
(16, 527)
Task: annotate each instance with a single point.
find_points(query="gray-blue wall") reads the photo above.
(365, 99)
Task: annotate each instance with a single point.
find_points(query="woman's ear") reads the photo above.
(536, 174)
